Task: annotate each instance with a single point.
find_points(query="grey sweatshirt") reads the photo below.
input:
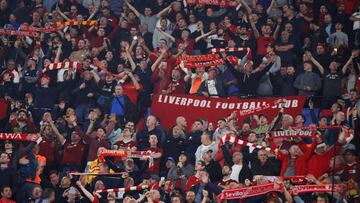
(307, 79)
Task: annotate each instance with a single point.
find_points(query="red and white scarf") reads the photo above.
(245, 192)
(218, 50)
(64, 65)
(127, 154)
(299, 189)
(202, 61)
(75, 173)
(18, 137)
(126, 189)
(231, 139)
(29, 28)
(293, 179)
(248, 112)
(198, 58)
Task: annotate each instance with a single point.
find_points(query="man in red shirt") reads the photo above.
(264, 39)
(6, 194)
(319, 162)
(177, 84)
(294, 164)
(47, 146)
(156, 154)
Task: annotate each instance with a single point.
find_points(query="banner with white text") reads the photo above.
(169, 107)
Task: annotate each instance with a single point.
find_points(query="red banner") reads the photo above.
(299, 189)
(19, 33)
(18, 137)
(245, 192)
(223, 3)
(293, 133)
(169, 107)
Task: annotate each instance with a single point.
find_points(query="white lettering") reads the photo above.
(231, 106)
(177, 102)
(172, 99)
(183, 102)
(190, 101)
(196, 102)
(252, 105)
(294, 103)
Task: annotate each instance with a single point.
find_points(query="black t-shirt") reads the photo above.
(107, 89)
(145, 78)
(332, 83)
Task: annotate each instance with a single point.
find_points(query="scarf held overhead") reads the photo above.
(64, 65)
(127, 154)
(84, 23)
(231, 139)
(19, 33)
(203, 61)
(222, 3)
(293, 133)
(245, 192)
(18, 137)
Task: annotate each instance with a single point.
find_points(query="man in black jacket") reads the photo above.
(248, 79)
(263, 166)
(212, 167)
(213, 86)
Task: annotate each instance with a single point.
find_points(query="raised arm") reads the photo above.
(85, 191)
(59, 136)
(133, 42)
(317, 64)
(247, 7)
(72, 121)
(353, 55)
(277, 28)
(111, 125)
(128, 56)
(96, 76)
(58, 53)
(158, 60)
(62, 14)
(93, 14)
(204, 35)
(255, 30)
(133, 9)
(134, 81)
(164, 11)
(167, 34)
(353, 18)
(272, 4)
(142, 43)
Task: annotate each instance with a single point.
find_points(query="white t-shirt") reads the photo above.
(16, 77)
(212, 87)
(356, 25)
(235, 172)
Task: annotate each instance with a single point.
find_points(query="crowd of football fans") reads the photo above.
(291, 47)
